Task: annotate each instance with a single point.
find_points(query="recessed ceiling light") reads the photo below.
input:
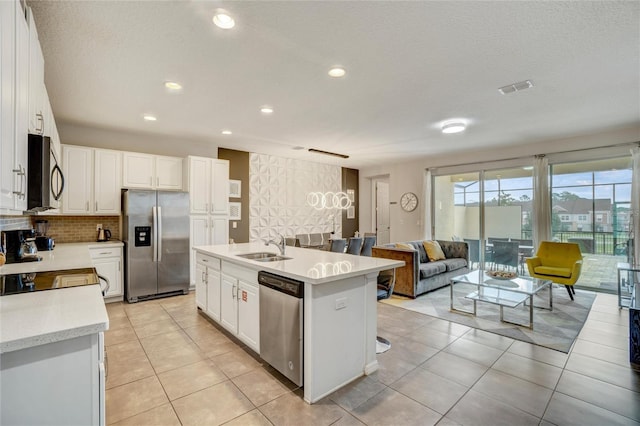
(223, 20)
(227, 132)
(337, 72)
(266, 109)
(173, 86)
(527, 168)
(453, 127)
(149, 117)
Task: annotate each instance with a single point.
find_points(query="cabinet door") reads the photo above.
(219, 228)
(168, 173)
(138, 170)
(107, 182)
(111, 269)
(78, 174)
(199, 184)
(249, 314)
(201, 286)
(36, 80)
(213, 294)
(228, 303)
(198, 230)
(7, 103)
(220, 187)
(22, 107)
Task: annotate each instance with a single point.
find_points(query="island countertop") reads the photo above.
(308, 265)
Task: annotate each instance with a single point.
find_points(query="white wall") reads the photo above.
(122, 140)
(408, 176)
(278, 197)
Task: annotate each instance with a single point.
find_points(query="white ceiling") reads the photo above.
(410, 66)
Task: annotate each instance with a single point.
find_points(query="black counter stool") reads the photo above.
(386, 281)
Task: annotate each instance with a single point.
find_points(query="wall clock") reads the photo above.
(409, 201)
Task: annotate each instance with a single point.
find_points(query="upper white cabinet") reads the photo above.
(208, 185)
(14, 106)
(151, 171)
(92, 181)
(36, 80)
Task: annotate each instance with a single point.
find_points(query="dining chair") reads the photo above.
(354, 246)
(338, 245)
(506, 253)
(474, 251)
(367, 245)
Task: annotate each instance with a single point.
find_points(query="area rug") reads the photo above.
(556, 329)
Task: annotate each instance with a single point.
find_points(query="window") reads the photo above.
(565, 218)
(582, 218)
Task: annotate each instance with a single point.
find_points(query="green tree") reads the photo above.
(564, 196)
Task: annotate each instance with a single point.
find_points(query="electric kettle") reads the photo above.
(103, 235)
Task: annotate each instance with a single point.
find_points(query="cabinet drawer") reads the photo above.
(99, 253)
(211, 262)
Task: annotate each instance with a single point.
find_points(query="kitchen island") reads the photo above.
(340, 306)
(51, 347)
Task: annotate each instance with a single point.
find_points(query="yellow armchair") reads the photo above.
(558, 262)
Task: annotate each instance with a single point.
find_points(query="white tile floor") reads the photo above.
(168, 365)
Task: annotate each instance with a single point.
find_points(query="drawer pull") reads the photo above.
(106, 252)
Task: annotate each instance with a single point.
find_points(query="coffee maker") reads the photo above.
(19, 246)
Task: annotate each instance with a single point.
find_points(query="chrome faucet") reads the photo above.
(281, 245)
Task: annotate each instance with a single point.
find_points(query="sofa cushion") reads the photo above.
(430, 269)
(553, 271)
(434, 251)
(404, 246)
(454, 264)
(423, 254)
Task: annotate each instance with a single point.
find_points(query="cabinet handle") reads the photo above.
(157, 180)
(203, 279)
(233, 292)
(151, 180)
(205, 260)
(40, 118)
(87, 206)
(21, 173)
(105, 252)
(24, 179)
(96, 206)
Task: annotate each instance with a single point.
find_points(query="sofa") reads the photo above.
(420, 275)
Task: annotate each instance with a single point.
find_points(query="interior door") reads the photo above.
(383, 227)
(173, 241)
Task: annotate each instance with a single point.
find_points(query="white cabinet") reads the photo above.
(240, 304)
(228, 294)
(208, 182)
(14, 107)
(228, 303)
(108, 263)
(208, 185)
(151, 171)
(60, 383)
(208, 285)
(36, 80)
(249, 314)
(92, 181)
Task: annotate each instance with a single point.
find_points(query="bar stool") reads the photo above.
(354, 246)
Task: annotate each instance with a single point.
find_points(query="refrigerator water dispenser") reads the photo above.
(142, 236)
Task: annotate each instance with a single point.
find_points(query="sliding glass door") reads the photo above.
(590, 206)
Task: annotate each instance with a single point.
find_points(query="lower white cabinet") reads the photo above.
(108, 263)
(60, 383)
(229, 295)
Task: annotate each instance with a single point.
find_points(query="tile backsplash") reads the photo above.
(74, 229)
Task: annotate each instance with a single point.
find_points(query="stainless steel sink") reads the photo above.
(272, 259)
(263, 256)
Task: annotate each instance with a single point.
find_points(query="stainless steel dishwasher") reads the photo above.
(281, 320)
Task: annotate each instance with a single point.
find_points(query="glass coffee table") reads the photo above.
(503, 292)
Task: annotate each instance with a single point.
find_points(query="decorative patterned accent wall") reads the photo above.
(278, 197)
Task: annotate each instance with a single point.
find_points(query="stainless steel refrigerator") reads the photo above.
(155, 229)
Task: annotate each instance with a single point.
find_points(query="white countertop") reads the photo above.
(308, 265)
(63, 256)
(32, 319)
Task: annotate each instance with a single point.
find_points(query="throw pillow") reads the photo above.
(434, 251)
(404, 246)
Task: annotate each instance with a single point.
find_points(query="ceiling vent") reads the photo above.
(318, 151)
(515, 87)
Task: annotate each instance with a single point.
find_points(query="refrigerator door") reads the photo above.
(141, 270)
(173, 241)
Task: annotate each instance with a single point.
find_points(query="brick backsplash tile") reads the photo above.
(75, 229)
